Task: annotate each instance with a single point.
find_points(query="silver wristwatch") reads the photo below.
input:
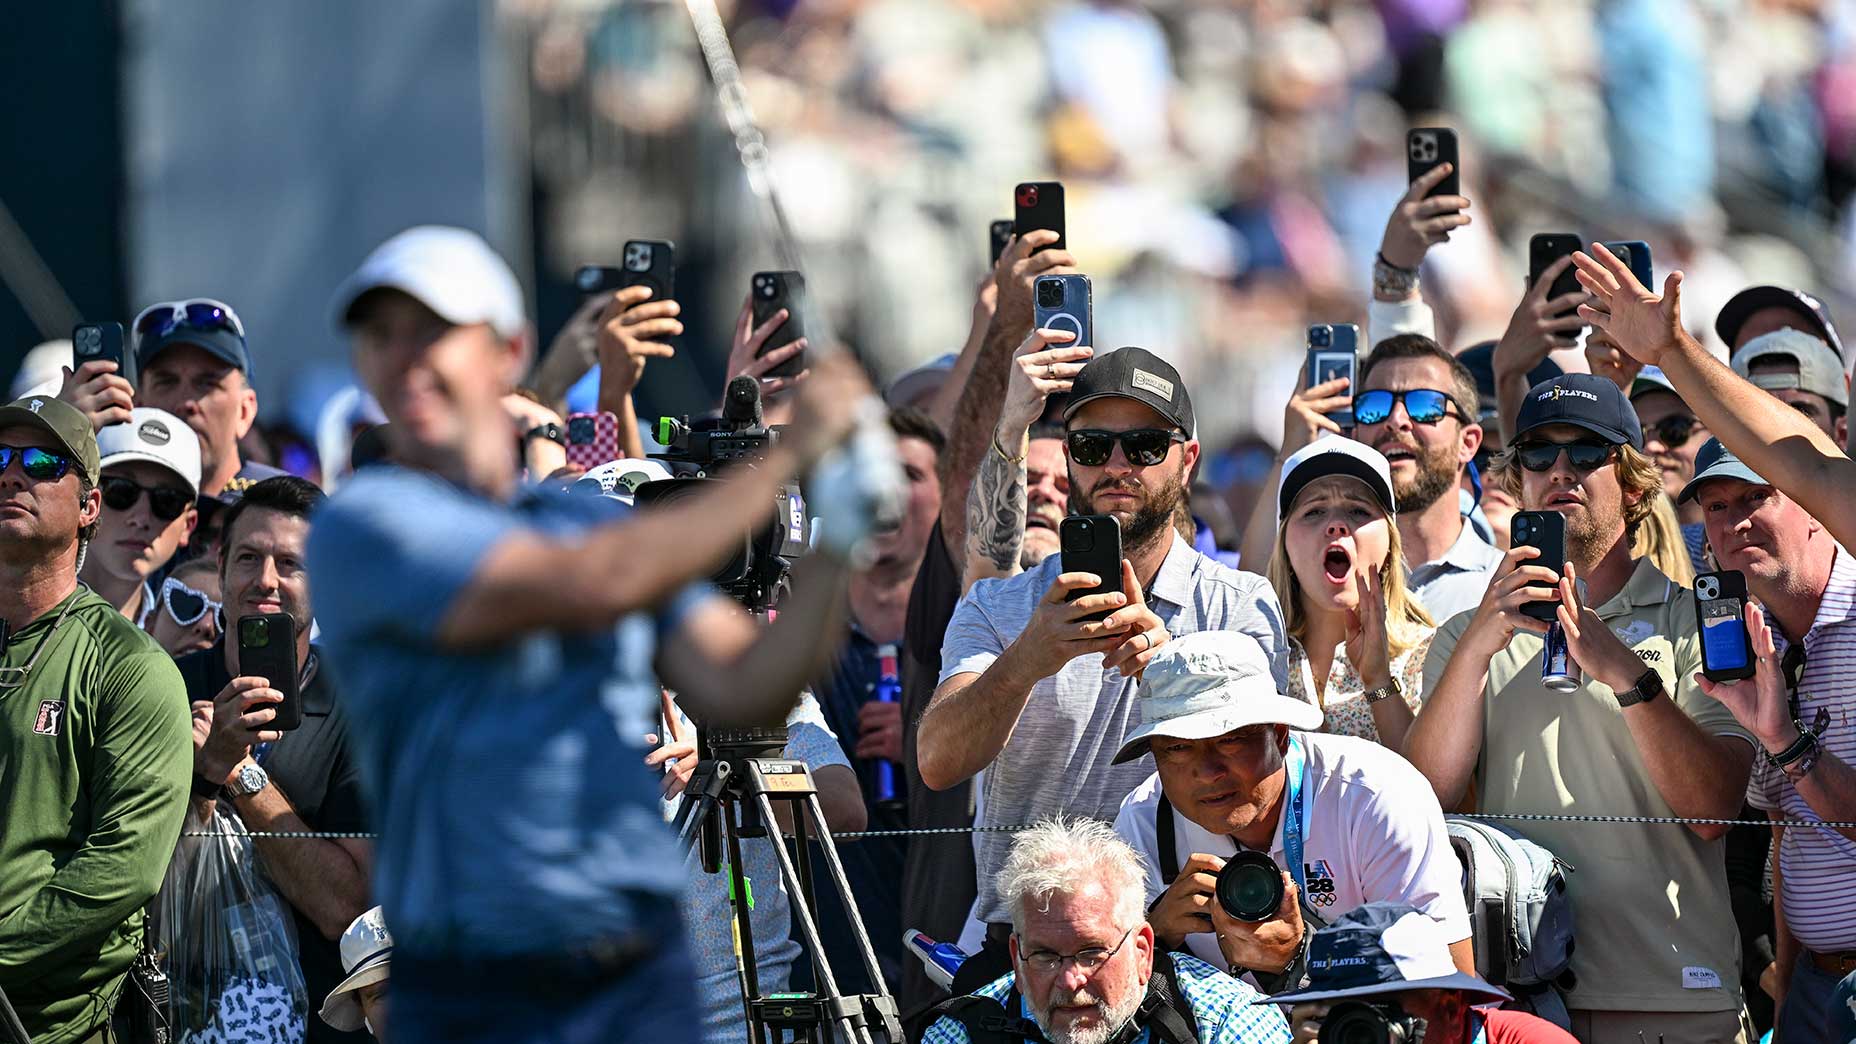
(248, 780)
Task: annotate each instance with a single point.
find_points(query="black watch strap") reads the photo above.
(551, 431)
(1649, 686)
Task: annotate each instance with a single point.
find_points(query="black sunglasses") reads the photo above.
(1675, 430)
(164, 502)
(1422, 405)
(1145, 447)
(1585, 454)
(43, 465)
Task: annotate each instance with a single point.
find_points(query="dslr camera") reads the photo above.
(1360, 1022)
(696, 450)
(1250, 887)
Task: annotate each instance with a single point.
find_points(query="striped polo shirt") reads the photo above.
(1818, 866)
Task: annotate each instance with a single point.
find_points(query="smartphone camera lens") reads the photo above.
(764, 287)
(1050, 293)
(1319, 336)
(1078, 537)
(1027, 195)
(1708, 588)
(257, 633)
(638, 257)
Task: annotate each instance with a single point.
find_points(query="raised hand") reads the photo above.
(1417, 223)
(1046, 364)
(1305, 418)
(1144, 632)
(1537, 327)
(1019, 268)
(631, 331)
(98, 392)
(1644, 324)
(748, 340)
(1759, 702)
(1367, 644)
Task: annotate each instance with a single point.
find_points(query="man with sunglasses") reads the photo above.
(1036, 692)
(93, 740)
(1798, 707)
(1658, 952)
(1418, 405)
(151, 477)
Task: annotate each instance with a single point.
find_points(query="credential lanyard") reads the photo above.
(1294, 812)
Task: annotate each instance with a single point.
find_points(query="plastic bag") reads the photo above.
(230, 942)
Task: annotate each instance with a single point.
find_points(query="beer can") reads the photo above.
(1557, 670)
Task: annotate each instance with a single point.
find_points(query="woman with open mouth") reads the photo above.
(1357, 636)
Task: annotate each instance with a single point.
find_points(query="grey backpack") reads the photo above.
(1520, 919)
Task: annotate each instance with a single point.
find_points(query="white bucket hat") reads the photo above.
(366, 946)
(1207, 684)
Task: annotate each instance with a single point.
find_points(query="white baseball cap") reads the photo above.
(1207, 684)
(366, 948)
(1335, 455)
(452, 271)
(620, 479)
(157, 437)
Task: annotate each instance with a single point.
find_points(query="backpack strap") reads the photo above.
(1164, 1009)
(1163, 837)
(988, 1021)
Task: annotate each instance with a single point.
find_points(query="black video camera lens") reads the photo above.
(1357, 1022)
(1050, 293)
(1250, 887)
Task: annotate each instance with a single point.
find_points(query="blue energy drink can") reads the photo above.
(1557, 671)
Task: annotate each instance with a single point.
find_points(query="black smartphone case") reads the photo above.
(1073, 314)
(1730, 586)
(1039, 204)
(1546, 531)
(94, 342)
(998, 235)
(652, 263)
(1544, 249)
(1636, 254)
(275, 661)
(772, 291)
(1430, 147)
(1092, 544)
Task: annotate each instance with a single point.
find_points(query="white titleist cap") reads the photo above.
(157, 437)
(452, 271)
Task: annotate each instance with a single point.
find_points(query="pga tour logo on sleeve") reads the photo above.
(50, 721)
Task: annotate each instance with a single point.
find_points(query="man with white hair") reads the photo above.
(1084, 966)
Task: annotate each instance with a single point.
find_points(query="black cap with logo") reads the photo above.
(1138, 374)
(1582, 400)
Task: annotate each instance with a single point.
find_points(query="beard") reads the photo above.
(1591, 532)
(1436, 475)
(1148, 521)
(1110, 1018)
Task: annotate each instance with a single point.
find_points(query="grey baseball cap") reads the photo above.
(1715, 461)
(1820, 370)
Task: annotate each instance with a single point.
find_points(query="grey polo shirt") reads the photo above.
(1456, 582)
(1057, 760)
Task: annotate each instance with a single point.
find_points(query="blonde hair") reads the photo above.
(1407, 622)
(1636, 474)
(1659, 539)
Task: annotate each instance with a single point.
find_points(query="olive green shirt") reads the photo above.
(96, 756)
(1651, 914)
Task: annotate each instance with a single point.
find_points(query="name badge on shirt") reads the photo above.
(1694, 978)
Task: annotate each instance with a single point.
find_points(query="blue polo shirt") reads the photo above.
(516, 814)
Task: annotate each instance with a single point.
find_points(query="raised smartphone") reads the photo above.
(1332, 352)
(1720, 614)
(1061, 302)
(1039, 204)
(1636, 254)
(1545, 532)
(1427, 148)
(1092, 544)
(592, 439)
(770, 292)
(1544, 249)
(998, 234)
(99, 342)
(267, 649)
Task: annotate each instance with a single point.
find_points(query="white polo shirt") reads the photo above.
(1375, 834)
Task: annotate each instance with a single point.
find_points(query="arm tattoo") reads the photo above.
(976, 412)
(996, 512)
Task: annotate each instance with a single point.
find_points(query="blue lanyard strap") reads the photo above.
(1294, 812)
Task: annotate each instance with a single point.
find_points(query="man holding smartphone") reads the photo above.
(499, 646)
(1806, 587)
(1657, 953)
(1038, 695)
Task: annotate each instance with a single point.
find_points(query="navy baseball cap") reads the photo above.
(1383, 948)
(1138, 374)
(1715, 461)
(1811, 312)
(1583, 400)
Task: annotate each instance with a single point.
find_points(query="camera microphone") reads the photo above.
(741, 403)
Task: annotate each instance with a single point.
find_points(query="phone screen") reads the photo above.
(1723, 634)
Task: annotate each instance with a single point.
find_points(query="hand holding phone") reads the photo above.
(105, 396)
(1542, 251)
(1062, 302)
(769, 293)
(1332, 354)
(1039, 204)
(267, 649)
(1092, 544)
(1720, 617)
(1545, 532)
(592, 439)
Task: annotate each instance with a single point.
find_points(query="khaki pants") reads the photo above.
(1661, 1027)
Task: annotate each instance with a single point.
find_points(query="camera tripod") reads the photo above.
(738, 778)
(9, 1021)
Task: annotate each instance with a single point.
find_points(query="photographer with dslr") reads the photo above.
(1633, 736)
(1243, 789)
(1382, 973)
(495, 644)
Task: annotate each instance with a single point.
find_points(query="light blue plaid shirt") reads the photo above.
(1222, 1008)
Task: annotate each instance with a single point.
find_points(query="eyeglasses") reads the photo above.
(1675, 430)
(186, 606)
(1585, 454)
(164, 502)
(1087, 961)
(1144, 447)
(201, 313)
(1422, 405)
(43, 465)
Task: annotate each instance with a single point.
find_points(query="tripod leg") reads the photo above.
(852, 1025)
(836, 868)
(744, 926)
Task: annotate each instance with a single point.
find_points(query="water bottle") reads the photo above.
(888, 690)
(939, 960)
